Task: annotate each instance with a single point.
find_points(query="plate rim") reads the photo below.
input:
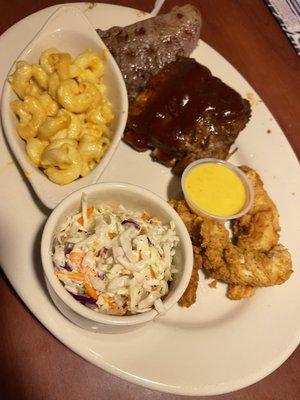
(117, 371)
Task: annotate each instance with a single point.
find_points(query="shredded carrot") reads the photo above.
(111, 235)
(152, 273)
(90, 291)
(76, 257)
(144, 216)
(111, 304)
(154, 220)
(89, 213)
(125, 271)
(77, 276)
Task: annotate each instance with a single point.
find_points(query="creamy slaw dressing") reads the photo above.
(114, 260)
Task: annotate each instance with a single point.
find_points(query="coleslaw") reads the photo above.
(114, 260)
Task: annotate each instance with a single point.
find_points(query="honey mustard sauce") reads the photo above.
(215, 189)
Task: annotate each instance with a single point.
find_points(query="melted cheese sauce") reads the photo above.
(215, 189)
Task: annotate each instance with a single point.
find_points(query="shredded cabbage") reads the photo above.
(120, 259)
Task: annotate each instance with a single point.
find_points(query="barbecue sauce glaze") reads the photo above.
(180, 109)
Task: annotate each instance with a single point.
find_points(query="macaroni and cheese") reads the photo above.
(63, 112)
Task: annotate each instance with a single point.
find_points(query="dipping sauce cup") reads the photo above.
(217, 189)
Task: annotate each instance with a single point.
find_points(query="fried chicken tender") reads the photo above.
(192, 223)
(255, 260)
(191, 220)
(259, 228)
(238, 292)
(189, 296)
(229, 263)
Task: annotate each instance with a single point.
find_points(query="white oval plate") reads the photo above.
(68, 30)
(217, 345)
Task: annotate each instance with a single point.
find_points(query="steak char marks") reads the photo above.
(143, 48)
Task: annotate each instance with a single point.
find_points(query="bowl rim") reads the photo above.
(246, 182)
(81, 309)
(53, 193)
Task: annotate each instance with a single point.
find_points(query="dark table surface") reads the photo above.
(34, 365)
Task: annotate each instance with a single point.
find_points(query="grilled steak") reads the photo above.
(143, 48)
(184, 114)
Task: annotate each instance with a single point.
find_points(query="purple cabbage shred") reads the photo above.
(83, 299)
(130, 222)
(103, 251)
(101, 275)
(59, 266)
(67, 267)
(69, 248)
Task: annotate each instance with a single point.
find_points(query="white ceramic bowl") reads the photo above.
(133, 198)
(67, 30)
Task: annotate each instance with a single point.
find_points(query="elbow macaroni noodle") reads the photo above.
(63, 113)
